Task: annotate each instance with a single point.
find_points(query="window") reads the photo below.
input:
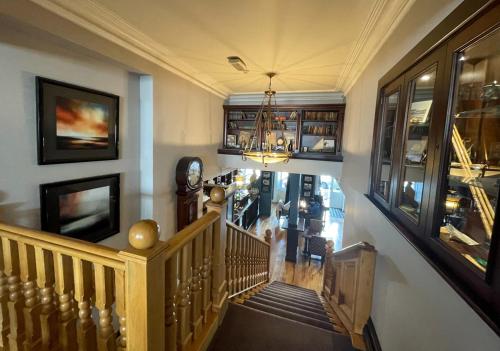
(473, 166)
(415, 146)
(436, 153)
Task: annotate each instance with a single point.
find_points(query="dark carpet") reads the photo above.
(271, 321)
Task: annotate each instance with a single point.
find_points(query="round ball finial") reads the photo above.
(144, 234)
(217, 194)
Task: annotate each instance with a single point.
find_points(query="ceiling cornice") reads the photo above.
(305, 97)
(106, 24)
(384, 17)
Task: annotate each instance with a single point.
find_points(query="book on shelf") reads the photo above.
(319, 130)
(321, 116)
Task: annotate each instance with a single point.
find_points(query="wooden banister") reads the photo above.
(165, 295)
(348, 286)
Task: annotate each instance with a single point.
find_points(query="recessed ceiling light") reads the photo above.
(237, 63)
(425, 77)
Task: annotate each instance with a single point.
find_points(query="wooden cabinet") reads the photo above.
(313, 131)
(436, 153)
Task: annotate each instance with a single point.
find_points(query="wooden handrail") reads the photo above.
(246, 232)
(67, 246)
(362, 245)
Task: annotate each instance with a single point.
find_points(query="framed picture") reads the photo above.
(266, 182)
(307, 193)
(86, 209)
(266, 175)
(329, 145)
(308, 178)
(266, 189)
(231, 140)
(75, 124)
(307, 186)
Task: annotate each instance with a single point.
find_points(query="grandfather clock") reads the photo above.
(189, 178)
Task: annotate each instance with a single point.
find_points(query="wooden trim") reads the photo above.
(363, 245)
(370, 337)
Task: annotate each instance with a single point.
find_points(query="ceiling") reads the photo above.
(313, 45)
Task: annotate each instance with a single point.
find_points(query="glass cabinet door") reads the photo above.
(473, 168)
(386, 135)
(418, 116)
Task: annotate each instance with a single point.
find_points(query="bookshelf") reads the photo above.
(313, 131)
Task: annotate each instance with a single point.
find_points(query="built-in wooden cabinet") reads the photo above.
(436, 153)
(312, 131)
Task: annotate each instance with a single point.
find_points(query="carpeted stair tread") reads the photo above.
(295, 294)
(293, 287)
(292, 299)
(290, 289)
(247, 329)
(290, 315)
(319, 316)
(290, 303)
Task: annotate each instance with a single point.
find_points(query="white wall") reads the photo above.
(21, 60)
(413, 307)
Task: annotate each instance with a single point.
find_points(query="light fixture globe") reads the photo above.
(260, 149)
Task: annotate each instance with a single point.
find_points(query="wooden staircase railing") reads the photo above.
(61, 293)
(348, 287)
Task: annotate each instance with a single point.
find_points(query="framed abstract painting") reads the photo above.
(86, 209)
(75, 124)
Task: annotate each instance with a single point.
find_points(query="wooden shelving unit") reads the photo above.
(315, 131)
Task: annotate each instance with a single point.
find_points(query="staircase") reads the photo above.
(279, 317)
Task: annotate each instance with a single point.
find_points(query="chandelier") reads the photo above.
(267, 126)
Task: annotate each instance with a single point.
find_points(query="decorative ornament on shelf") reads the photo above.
(260, 149)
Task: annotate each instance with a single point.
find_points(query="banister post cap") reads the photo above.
(144, 234)
(329, 247)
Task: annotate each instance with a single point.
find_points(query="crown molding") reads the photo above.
(283, 98)
(384, 17)
(101, 21)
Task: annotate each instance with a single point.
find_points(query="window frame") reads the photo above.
(470, 22)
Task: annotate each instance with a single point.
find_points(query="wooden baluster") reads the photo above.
(184, 297)
(254, 261)
(48, 314)
(229, 260)
(120, 308)
(268, 263)
(171, 276)
(64, 283)
(196, 286)
(206, 277)
(31, 308)
(86, 331)
(244, 249)
(261, 263)
(103, 302)
(15, 303)
(238, 261)
(4, 298)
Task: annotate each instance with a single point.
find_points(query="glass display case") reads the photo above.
(436, 154)
(473, 166)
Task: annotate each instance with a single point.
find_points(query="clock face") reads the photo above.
(194, 173)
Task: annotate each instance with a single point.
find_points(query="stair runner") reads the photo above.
(279, 317)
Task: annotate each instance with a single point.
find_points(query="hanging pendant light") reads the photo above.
(260, 149)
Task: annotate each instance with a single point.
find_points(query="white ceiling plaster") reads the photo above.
(315, 45)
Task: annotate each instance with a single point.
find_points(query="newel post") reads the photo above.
(218, 204)
(328, 271)
(145, 287)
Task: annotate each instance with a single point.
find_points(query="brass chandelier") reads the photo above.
(260, 149)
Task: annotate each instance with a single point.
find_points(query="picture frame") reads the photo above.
(75, 124)
(307, 193)
(231, 140)
(86, 209)
(266, 189)
(266, 182)
(307, 186)
(308, 178)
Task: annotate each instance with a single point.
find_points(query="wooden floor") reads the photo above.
(300, 273)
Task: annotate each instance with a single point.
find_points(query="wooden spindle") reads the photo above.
(31, 309)
(238, 261)
(45, 280)
(245, 256)
(229, 261)
(120, 308)
(184, 297)
(206, 276)
(15, 303)
(196, 286)
(220, 289)
(103, 302)
(86, 330)
(4, 298)
(64, 284)
(171, 288)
